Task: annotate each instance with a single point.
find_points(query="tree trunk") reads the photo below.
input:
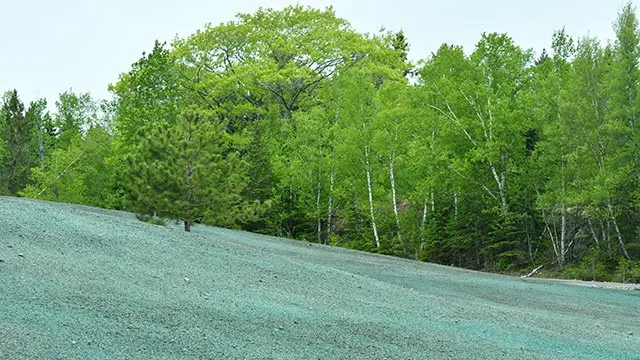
(423, 228)
(593, 232)
(330, 207)
(563, 232)
(433, 201)
(424, 215)
(455, 205)
(500, 181)
(41, 150)
(370, 191)
(187, 225)
(563, 229)
(319, 226)
(618, 233)
(392, 180)
(554, 241)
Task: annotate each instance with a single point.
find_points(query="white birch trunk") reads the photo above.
(593, 232)
(424, 214)
(392, 180)
(618, 233)
(563, 226)
(455, 205)
(554, 242)
(433, 201)
(319, 227)
(370, 191)
(500, 181)
(330, 207)
(563, 232)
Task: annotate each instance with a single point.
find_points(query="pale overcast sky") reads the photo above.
(49, 46)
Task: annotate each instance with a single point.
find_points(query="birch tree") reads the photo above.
(556, 152)
(601, 136)
(75, 149)
(624, 116)
(358, 172)
(391, 136)
(482, 100)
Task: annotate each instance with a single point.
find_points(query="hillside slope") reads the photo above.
(84, 283)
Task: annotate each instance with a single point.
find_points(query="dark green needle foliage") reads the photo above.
(187, 172)
(18, 133)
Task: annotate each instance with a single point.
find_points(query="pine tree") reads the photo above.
(18, 134)
(187, 172)
(46, 131)
(401, 44)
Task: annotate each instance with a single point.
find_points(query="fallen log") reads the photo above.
(533, 272)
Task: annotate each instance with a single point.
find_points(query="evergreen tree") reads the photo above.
(18, 134)
(187, 172)
(45, 129)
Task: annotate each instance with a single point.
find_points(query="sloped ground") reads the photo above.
(85, 283)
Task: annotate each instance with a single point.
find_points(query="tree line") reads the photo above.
(291, 123)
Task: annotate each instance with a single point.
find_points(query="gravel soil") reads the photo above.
(84, 283)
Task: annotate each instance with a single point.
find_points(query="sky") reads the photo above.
(47, 47)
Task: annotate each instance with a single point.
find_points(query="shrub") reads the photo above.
(628, 271)
(593, 267)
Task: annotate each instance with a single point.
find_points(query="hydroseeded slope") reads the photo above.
(85, 283)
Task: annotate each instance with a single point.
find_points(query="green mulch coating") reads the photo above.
(85, 283)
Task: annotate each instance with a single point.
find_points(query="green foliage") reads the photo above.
(74, 114)
(149, 93)
(19, 132)
(593, 267)
(62, 178)
(628, 271)
(187, 172)
(75, 151)
(239, 70)
(81, 173)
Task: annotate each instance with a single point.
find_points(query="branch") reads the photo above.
(452, 116)
(63, 171)
(477, 183)
(478, 114)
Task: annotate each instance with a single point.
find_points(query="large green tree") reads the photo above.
(272, 57)
(555, 153)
